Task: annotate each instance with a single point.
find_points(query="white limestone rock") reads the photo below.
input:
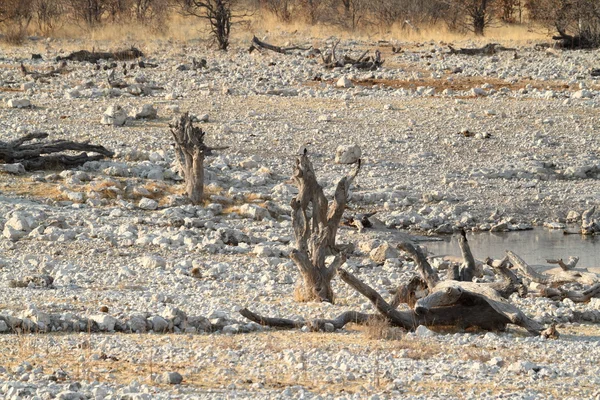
(347, 154)
(114, 115)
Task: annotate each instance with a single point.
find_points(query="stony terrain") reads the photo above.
(499, 142)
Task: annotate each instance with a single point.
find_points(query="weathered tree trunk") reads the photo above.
(258, 44)
(549, 285)
(315, 236)
(455, 304)
(45, 155)
(469, 268)
(466, 295)
(191, 150)
(94, 57)
(552, 280)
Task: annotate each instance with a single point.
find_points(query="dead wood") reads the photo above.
(469, 269)
(487, 50)
(46, 155)
(93, 56)
(60, 70)
(566, 41)
(314, 324)
(409, 293)
(191, 151)
(363, 62)
(559, 294)
(565, 266)
(258, 44)
(453, 291)
(552, 280)
(589, 226)
(315, 236)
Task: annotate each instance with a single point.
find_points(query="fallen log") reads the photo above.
(93, 56)
(552, 280)
(487, 50)
(330, 60)
(456, 293)
(47, 155)
(258, 44)
(60, 70)
(314, 325)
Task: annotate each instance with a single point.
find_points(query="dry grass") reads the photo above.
(26, 188)
(83, 358)
(380, 329)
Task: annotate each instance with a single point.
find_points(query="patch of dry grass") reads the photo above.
(82, 357)
(380, 329)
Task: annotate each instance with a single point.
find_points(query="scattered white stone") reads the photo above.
(153, 262)
(18, 103)
(253, 211)
(347, 154)
(114, 115)
(105, 322)
(424, 332)
(148, 204)
(15, 169)
(344, 82)
(146, 111)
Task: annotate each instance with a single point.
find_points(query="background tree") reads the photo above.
(218, 13)
(576, 21)
(15, 17)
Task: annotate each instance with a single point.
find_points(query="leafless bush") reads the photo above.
(279, 8)
(87, 12)
(471, 15)
(48, 13)
(576, 21)
(219, 14)
(15, 16)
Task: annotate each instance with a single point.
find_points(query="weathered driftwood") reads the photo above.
(313, 325)
(565, 266)
(488, 50)
(477, 292)
(94, 57)
(553, 280)
(60, 70)
(46, 155)
(315, 236)
(258, 44)
(330, 60)
(190, 151)
(460, 305)
(559, 294)
(469, 269)
(550, 285)
(589, 226)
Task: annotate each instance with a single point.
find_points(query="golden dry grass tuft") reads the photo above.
(380, 329)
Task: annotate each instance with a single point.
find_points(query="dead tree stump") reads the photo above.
(34, 153)
(190, 151)
(315, 235)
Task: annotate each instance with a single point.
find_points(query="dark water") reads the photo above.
(533, 246)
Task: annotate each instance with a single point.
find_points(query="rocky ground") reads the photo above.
(502, 142)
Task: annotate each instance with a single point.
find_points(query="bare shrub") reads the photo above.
(576, 21)
(48, 14)
(87, 12)
(279, 8)
(218, 13)
(471, 15)
(15, 16)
